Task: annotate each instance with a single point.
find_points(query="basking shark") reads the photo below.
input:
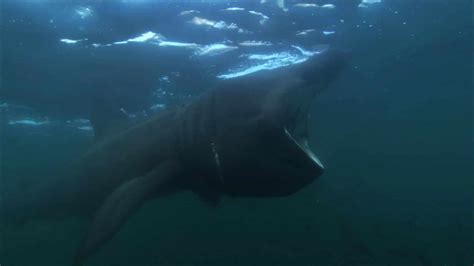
(245, 138)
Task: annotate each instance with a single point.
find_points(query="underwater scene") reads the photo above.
(235, 133)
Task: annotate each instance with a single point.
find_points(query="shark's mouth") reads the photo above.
(302, 144)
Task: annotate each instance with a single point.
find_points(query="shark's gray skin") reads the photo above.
(247, 137)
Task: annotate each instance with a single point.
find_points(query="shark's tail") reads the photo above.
(47, 200)
(19, 207)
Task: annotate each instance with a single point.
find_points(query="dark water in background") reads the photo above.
(395, 133)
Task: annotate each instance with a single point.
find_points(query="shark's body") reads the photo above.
(247, 137)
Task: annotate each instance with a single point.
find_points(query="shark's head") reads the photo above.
(259, 127)
(287, 105)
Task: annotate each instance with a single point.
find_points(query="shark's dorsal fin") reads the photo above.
(107, 118)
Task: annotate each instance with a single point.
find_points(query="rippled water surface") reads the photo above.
(394, 131)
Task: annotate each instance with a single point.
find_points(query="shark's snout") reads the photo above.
(324, 68)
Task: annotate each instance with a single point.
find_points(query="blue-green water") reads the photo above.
(394, 132)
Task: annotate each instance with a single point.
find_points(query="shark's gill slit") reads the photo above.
(217, 161)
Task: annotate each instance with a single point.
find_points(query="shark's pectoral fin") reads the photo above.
(122, 203)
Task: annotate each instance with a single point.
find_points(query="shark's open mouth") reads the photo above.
(302, 143)
(296, 125)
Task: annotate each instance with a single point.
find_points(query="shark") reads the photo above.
(247, 137)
